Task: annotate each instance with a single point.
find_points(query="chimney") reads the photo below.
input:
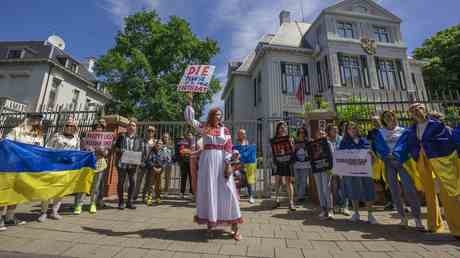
(90, 62)
(285, 17)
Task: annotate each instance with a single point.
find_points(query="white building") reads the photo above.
(353, 47)
(43, 77)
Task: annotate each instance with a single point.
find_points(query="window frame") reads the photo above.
(20, 50)
(344, 27)
(381, 34)
(75, 98)
(390, 69)
(293, 74)
(351, 65)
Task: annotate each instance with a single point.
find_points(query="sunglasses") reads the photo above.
(69, 126)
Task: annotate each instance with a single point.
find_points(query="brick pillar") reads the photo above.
(116, 124)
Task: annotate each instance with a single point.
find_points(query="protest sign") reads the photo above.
(282, 150)
(320, 155)
(196, 78)
(131, 157)
(95, 140)
(355, 163)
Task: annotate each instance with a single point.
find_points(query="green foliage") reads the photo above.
(452, 116)
(442, 51)
(354, 111)
(146, 63)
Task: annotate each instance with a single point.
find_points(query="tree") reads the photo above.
(442, 51)
(147, 62)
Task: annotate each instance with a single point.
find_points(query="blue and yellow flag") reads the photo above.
(439, 147)
(32, 173)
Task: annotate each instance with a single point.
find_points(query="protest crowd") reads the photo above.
(416, 164)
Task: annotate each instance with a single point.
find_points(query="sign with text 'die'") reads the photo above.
(196, 78)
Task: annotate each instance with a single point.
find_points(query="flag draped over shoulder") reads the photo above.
(33, 173)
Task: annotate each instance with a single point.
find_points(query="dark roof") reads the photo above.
(43, 50)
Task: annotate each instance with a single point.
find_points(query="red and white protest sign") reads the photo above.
(196, 78)
(98, 139)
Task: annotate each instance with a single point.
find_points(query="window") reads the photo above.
(259, 88)
(350, 71)
(254, 84)
(414, 81)
(345, 30)
(326, 71)
(291, 75)
(381, 34)
(53, 93)
(306, 77)
(14, 54)
(320, 76)
(73, 67)
(390, 74)
(76, 95)
(62, 61)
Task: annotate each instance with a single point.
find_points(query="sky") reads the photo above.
(89, 26)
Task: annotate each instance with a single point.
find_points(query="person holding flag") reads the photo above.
(431, 145)
(67, 140)
(249, 162)
(29, 132)
(396, 166)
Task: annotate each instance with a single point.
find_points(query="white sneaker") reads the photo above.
(251, 200)
(2, 224)
(330, 215)
(355, 217)
(42, 217)
(371, 219)
(55, 216)
(346, 212)
(322, 214)
(404, 222)
(419, 225)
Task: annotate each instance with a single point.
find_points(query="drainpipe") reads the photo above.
(46, 86)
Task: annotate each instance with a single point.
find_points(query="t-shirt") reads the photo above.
(391, 136)
(421, 129)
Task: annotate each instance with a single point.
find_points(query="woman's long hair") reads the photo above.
(278, 126)
(212, 113)
(346, 135)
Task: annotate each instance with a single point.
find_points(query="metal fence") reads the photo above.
(53, 121)
(362, 107)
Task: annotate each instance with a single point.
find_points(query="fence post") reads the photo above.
(267, 174)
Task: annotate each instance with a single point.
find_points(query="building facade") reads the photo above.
(354, 48)
(42, 76)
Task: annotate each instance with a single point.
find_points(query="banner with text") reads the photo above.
(355, 163)
(93, 140)
(320, 155)
(196, 78)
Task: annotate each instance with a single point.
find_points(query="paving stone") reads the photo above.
(299, 244)
(159, 254)
(374, 254)
(351, 246)
(132, 253)
(261, 251)
(233, 250)
(325, 245)
(288, 253)
(344, 254)
(403, 254)
(273, 242)
(309, 235)
(309, 253)
(332, 236)
(49, 247)
(186, 255)
(378, 246)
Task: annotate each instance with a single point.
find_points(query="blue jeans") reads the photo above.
(339, 192)
(393, 168)
(323, 187)
(301, 182)
(360, 188)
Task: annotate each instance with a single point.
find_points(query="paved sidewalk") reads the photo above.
(168, 231)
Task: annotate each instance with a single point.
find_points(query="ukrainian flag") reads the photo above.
(32, 173)
(439, 148)
(401, 153)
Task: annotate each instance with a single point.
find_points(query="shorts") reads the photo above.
(283, 171)
(250, 170)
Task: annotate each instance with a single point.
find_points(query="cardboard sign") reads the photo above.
(355, 163)
(282, 150)
(320, 155)
(196, 78)
(131, 157)
(93, 140)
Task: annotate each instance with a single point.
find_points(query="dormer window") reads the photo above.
(361, 9)
(73, 67)
(62, 61)
(15, 54)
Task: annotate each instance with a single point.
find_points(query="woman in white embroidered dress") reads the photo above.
(216, 198)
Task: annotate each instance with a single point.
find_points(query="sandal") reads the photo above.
(237, 236)
(210, 233)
